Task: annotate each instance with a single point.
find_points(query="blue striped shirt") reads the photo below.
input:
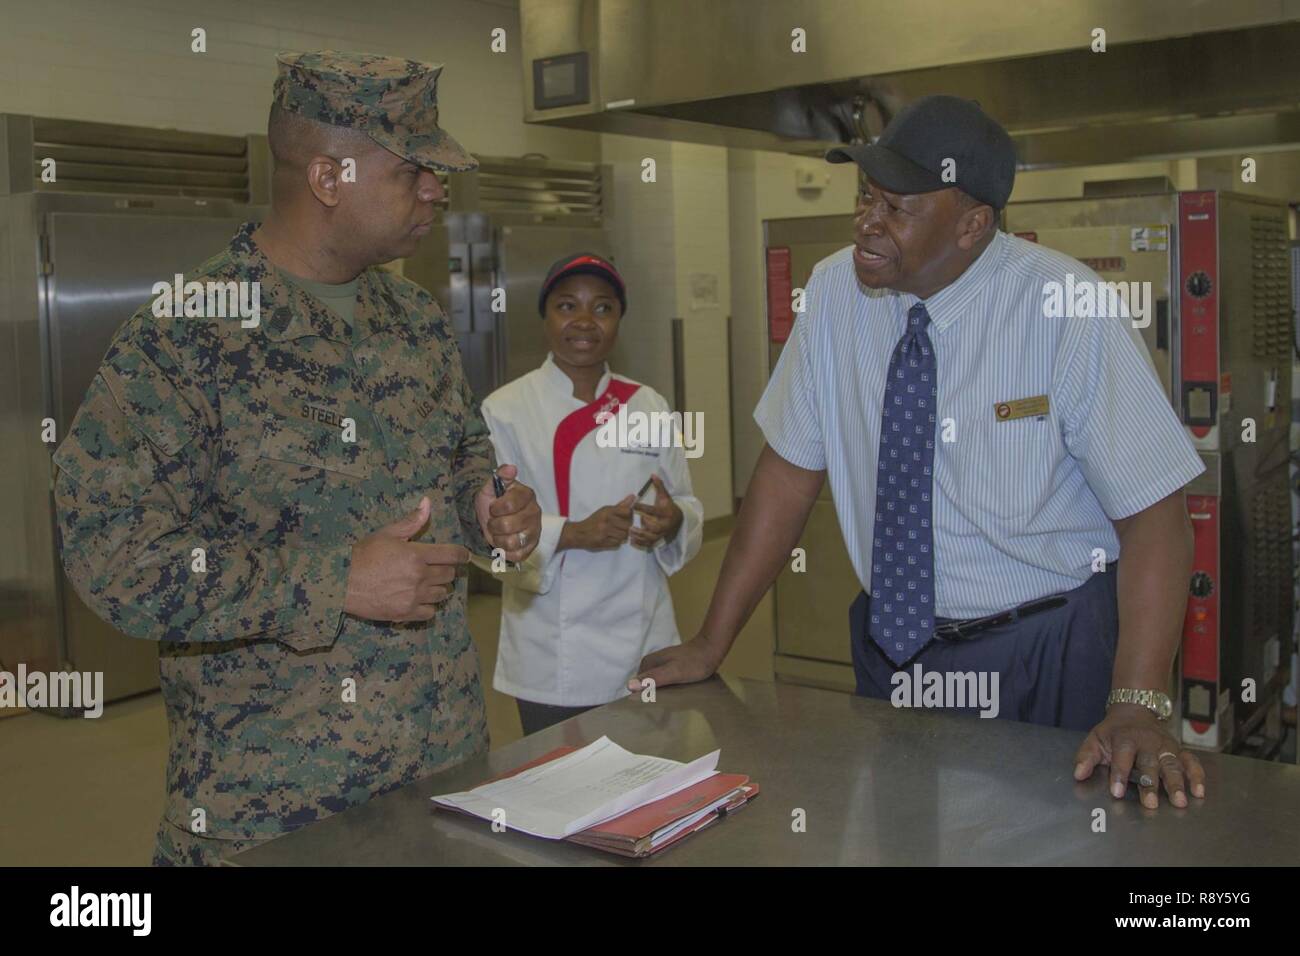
(1020, 505)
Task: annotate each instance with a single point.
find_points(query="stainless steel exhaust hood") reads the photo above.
(1177, 77)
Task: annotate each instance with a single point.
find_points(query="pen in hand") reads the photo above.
(499, 487)
(636, 517)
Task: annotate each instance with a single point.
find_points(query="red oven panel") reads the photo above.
(1201, 625)
(1198, 268)
(780, 308)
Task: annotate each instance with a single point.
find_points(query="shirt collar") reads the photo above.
(288, 312)
(556, 378)
(959, 295)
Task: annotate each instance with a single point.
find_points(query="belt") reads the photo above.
(960, 630)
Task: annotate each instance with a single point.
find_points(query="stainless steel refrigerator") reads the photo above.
(506, 222)
(127, 207)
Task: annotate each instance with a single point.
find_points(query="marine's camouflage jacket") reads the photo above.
(198, 433)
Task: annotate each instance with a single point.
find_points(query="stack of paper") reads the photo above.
(605, 797)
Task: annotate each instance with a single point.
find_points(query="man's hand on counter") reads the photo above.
(680, 664)
(1132, 738)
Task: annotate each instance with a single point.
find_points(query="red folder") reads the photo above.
(649, 829)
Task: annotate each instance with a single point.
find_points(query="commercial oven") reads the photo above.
(1222, 343)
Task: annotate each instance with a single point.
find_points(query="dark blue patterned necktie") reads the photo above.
(902, 565)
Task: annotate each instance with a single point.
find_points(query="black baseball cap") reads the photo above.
(582, 263)
(909, 155)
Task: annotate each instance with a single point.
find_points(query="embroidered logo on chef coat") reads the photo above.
(606, 410)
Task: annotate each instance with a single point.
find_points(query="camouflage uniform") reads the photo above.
(199, 433)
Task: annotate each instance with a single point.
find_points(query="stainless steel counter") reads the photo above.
(879, 786)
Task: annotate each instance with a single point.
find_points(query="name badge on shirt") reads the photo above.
(1021, 408)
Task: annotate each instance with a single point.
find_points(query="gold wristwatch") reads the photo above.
(1155, 701)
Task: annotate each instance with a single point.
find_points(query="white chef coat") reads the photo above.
(574, 623)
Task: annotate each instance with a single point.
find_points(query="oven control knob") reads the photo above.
(1199, 284)
(1202, 585)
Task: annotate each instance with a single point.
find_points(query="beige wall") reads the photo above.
(1062, 183)
(670, 236)
(642, 233)
(762, 186)
(129, 62)
(703, 292)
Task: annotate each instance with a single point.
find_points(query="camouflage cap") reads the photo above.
(394, 101)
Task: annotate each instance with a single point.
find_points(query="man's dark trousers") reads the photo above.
(1054, 667)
